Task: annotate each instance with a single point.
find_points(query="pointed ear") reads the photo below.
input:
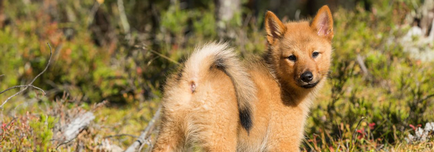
(273, 26)
(323, 22)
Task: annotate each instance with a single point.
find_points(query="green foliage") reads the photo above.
(28, 132)
(387, 99)
(43, 132)
(173, 18)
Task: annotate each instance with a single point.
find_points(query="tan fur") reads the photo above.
(202, 103)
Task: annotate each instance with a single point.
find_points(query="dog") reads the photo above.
(220, 103)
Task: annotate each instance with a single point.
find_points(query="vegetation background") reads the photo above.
(111, 58)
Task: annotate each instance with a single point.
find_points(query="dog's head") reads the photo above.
(300, 52)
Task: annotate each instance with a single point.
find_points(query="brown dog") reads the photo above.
(222, 104)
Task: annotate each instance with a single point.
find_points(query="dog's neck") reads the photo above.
(294, 96)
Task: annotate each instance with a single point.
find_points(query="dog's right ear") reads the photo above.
(274, 27)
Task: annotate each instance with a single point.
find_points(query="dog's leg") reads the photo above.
(223, 139)
(170, 138)
(222, 130)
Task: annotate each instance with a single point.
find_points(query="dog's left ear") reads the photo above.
(323, 23)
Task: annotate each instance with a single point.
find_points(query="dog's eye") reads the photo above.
(315, 54)
(292, 58)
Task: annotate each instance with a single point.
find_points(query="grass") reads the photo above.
(118, 75)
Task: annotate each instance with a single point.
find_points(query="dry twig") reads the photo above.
(120, 135)
(161, 55)
(30, 85)
(141, 141)
(78, 124)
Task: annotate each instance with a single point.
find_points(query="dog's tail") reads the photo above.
(222, 57)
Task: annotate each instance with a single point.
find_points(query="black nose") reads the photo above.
(307, 76)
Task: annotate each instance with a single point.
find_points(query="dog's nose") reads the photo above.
(307, 76)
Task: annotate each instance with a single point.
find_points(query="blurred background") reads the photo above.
(111, 58)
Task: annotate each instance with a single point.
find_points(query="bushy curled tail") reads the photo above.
(224, 58)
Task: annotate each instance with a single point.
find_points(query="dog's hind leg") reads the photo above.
(223, 139)
(170, 138)
(217, 116)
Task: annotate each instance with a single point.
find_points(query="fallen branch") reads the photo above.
(75, 127)
(141, 141)
(30, 84)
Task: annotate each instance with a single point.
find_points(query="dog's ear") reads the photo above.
(323, 22)
(274, 27)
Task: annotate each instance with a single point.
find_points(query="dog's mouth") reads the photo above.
(309, 85)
